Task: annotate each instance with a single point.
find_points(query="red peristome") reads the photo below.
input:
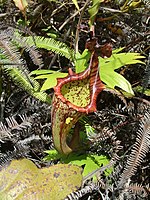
(96, 86)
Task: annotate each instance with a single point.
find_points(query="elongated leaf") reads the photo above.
(118, 50)
(51, 81)
(94, 10)
(42, 71)
(23, 180)
(118, 60)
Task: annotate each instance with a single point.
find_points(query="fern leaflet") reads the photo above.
(139, 150)
(53, 45)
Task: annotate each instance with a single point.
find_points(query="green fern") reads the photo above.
(19, 73)
(53, 45)
(21, 41)
(21, 77)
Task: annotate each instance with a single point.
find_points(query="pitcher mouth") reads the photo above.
(92, 86)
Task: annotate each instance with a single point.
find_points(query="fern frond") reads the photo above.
(4, 132)
(138, 189)
(52, 45)
(139, 150)
(82, 192)
(20, 74)
(6, 129)
(24, 80)
(10, 51)
(33, 52)
(19, 152)
(11, 40)
(35, 56)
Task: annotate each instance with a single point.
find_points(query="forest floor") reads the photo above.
(28, 120)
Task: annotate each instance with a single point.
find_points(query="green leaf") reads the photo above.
(51, 79)
(23, 180)
(81, 60)
(42, 71)
(117, 50)
(76, 3)
(51, 32)
(112, 78)
(118, 60)
(93, 10)
(52, 155)
(91, 162)
(89, 130)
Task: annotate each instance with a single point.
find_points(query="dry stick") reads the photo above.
(64, 24)
(3, 14)
(57, 9)
(113, 10)
(56, 55)
(60, 28)
(78, 26)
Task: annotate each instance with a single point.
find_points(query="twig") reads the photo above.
(113, 10)
(57, 9)
(3, 14)
(78, 25)
(56, 55)
(76, 13)
(60, 28)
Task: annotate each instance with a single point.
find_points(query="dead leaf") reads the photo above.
(23, 180)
